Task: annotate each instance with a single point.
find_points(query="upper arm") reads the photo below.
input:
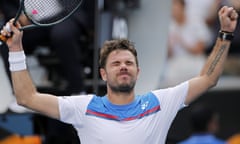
(27, 95)
(45, 104)
(197, 86)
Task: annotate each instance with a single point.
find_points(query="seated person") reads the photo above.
(205, 124)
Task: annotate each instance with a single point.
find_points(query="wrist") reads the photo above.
(225, 35)
(15, 48)
(17, 61)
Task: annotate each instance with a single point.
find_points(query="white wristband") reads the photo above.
(17, 61)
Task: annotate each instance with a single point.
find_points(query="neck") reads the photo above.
(120, 98)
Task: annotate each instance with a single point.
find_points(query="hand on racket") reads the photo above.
(14, 35)
(41, 13)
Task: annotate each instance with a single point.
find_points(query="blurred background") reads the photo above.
(173, 39)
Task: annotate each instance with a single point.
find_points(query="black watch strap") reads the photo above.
(226, 35)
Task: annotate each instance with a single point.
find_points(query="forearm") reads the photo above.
(211, 71)
(23, 86)
(215, 62)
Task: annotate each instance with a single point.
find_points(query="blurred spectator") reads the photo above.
(187, 42)
(205, 123)
(204, 11)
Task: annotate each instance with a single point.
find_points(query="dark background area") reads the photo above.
(226, 102)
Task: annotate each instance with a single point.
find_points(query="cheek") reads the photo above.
(103, 74)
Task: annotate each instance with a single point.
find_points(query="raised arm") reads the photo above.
(24, 89)
(214, 65)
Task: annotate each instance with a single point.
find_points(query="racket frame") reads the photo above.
(22, 10)
(36, 24)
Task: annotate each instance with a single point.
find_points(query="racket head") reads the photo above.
(48, 12)
(43, 13)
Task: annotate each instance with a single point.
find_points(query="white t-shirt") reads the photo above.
(144, 121)
(189, 33)
(199, 9)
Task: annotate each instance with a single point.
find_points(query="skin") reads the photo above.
(120, 70)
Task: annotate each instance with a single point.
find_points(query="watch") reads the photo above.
(223, 35)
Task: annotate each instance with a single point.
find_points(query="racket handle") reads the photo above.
(3, 38)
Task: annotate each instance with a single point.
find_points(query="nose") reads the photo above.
(123, 66)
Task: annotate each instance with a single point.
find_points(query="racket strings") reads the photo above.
(49, 11)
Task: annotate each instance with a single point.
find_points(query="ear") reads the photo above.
(138, 71)
(103, 74)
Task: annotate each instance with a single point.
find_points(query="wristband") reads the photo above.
(226, 35)
(17, 61)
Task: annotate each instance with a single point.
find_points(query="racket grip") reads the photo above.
(3, 38)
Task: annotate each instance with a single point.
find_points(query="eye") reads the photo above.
(129, 63)
(116, 63)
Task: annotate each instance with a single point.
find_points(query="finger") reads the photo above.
(233, 15)
(18, 25)
(8, 28)
(222, 10)
(3, 33)
(225, 11)
(6, 31)
(14, 26)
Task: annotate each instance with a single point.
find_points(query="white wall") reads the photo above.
(148, 28)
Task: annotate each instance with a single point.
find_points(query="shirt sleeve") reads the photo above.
(173, 98)
(72, 108)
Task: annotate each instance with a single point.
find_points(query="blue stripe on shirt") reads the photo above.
(142, 106)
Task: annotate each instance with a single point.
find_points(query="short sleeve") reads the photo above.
(173, 97)
(72, 108)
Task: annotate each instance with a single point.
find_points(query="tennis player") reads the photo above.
(120, 117)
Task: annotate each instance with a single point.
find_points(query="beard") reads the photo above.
(123, 88)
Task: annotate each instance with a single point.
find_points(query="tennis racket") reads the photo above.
(42, 13)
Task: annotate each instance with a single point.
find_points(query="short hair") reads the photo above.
(117, 44)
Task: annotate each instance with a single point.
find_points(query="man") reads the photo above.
(120, 116)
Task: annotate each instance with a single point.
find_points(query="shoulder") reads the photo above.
(182, 87)
(77, 97)
(75, 100)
